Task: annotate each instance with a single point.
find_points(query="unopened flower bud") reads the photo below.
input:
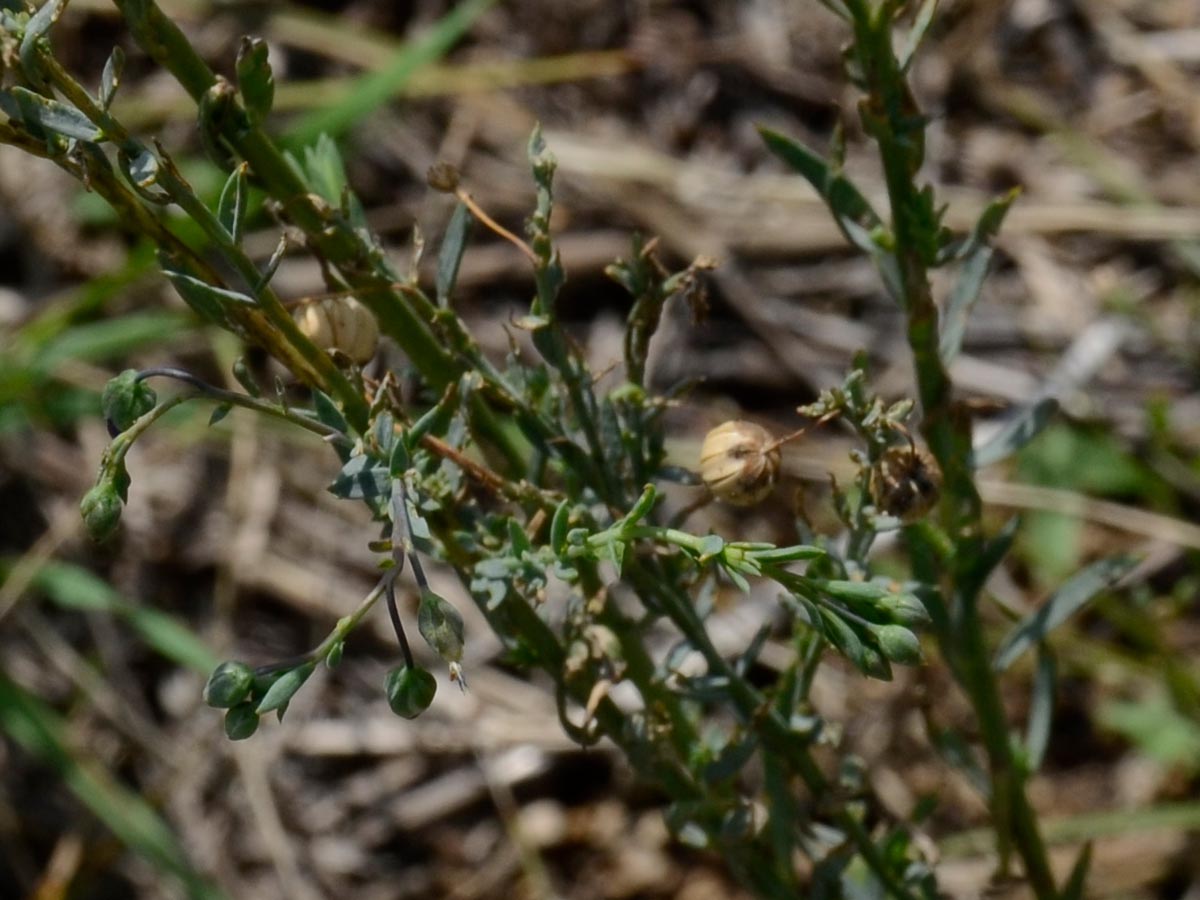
(906, 482)
(898, 644)
(342, 324)
(228, 685)
(739, 462)
(101, 510)
(409, 691)
(125, 400)
(904, 609)
(241, 721)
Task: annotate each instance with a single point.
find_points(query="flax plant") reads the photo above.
(533, 483)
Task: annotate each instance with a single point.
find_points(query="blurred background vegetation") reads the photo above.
(115, 781)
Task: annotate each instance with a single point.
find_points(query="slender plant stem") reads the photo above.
(891, 118)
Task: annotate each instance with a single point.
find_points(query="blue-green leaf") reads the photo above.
(844, 199)
(36, 28)
(280, 693)
(986, 227)
(917, 34)
(1067, 600)
(451, 253)
(1041, 709)
(361, 478)
(110, 78)
(1023, 426)
(41, 114)
(961, 301)
(231, 207)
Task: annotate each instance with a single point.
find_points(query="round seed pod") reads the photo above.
(739, 462)
(906, 482)
(342, 324)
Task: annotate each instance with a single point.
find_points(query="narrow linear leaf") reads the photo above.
(41, 114)
(284, 689)
(1021, 428)
(920, 27)
(451, 253)
(994, 551)
(1068, 599)
(961, 301)
(844, 199)
(219, 412)
(36, 28)
(204, 297)
(110, 78)
(327, 411)
(1073, 889)
(1041, 709)
(986, 227)
(231, 207)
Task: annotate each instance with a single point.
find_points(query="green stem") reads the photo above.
(181, 192)
(756, 711)
(328, 232)
(891, 118)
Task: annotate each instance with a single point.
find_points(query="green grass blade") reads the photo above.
(72, 587)
(372, 91)
(41, 733)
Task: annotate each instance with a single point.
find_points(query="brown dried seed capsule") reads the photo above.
(442, 176)
(906, 482)
(739, 462)
(342, 324)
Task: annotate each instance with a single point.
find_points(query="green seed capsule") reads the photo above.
(241, 721)
(228, 685)
(441, 625)
(409, 691)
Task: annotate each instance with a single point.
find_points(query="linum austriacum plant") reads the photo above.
(531, 482)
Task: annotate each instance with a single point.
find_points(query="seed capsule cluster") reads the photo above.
(342, 324)
(739, 462)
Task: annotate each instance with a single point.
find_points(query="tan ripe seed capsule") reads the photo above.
(342, 324)
(739, 462)
(906, 482)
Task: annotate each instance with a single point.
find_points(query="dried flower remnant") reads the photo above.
(906, 482)
(739, 462)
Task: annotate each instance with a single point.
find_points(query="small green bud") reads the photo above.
(898, 644)
(241, 721)
(905, 609)
(228, 685)
(409, 691)
(125, 400)
(101, 510)
(441, 625)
